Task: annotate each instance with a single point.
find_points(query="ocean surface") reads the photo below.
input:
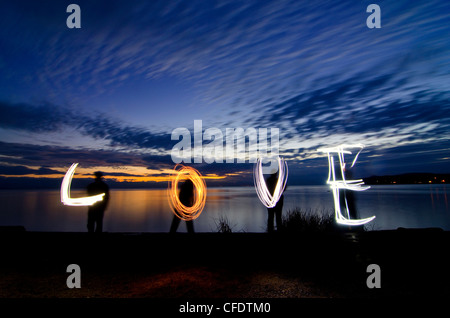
(409, 206)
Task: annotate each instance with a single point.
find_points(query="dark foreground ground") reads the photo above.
(414, 264)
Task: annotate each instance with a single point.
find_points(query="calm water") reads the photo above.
(412, 206)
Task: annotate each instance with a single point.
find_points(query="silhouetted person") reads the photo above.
(97, 210)
(350, 195)
(347, 200)
(186, 196)
(277, 210)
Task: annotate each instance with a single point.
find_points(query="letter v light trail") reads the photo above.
(336, 185)
(265, 196)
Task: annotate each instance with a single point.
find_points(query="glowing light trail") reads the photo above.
(179, 209)
(336, 185)
(265, 196)
(65, 191)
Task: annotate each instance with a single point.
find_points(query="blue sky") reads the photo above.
(109, 94)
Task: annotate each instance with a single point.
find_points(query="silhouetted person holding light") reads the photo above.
(97, 210)
(277, 210)
(186, 196)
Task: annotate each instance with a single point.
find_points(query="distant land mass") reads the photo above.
(55, 183)
(409, 178)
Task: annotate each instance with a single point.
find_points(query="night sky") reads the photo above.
(109, 94)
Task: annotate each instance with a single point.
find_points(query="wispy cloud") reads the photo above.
(22, 170)
(57, 156)
(312, 69)
(46, 117)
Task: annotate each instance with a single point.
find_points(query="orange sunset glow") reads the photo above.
(121, 174)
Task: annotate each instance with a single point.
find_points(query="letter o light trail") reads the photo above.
(186, 213)
(264, 194)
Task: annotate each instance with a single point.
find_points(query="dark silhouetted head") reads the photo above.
(188, 184)
(98, 174)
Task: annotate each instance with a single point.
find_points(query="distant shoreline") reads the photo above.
(409, 178)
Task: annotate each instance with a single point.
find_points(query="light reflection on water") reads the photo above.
(411, 206)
